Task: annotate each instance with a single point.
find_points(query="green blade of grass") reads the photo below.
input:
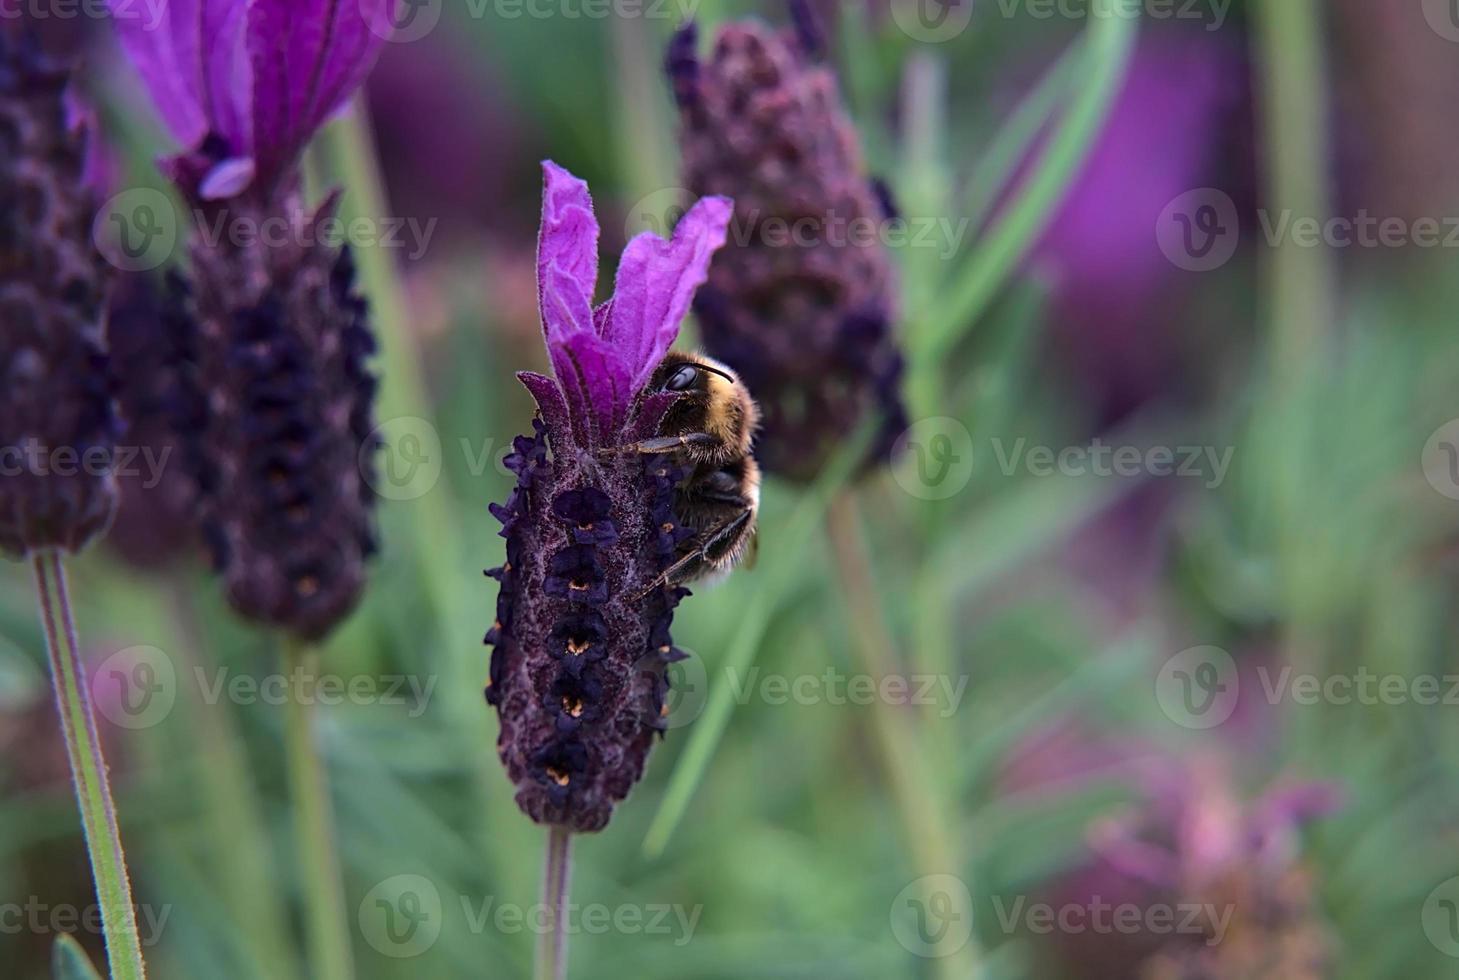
(1102, 58)
(70, 962)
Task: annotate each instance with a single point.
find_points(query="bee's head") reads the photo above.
(712, 399)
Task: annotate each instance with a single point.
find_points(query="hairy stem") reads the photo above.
(327, 922)
(556, 877)
(900, 747)
(89, 773)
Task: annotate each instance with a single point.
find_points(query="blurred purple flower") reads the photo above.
(1121, 321)
(55, 381)
(807, 319)
(578, 674)
(1187, 841)
(243, 86)
(275, 404)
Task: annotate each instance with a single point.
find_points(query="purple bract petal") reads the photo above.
(656, 282)
(308, 57)
(259, 76)
(602, 358)
(187, 52)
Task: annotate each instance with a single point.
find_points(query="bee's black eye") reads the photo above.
(683, 379)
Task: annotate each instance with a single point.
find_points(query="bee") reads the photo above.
(710, 428)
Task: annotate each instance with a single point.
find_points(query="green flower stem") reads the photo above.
(234, 812)
(327, 922)
(1301, 284)
(89, 773)
(1302, 281)
(551, 961)
(919, 797)
(1105, 55)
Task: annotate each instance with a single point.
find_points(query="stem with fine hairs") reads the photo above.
(556, 876)
(900, 748)
(89, 773)
(327, 922)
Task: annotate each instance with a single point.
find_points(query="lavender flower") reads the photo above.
(277, 396)
(147, 323)
(1190, 841)
(578, 673)
(57, 425)
(802, 306)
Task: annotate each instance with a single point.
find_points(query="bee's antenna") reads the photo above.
(714, 370)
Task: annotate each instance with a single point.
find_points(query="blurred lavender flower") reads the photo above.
(277, 400)
(806, 319)
(1190, 842)
(147, 322)
(1116, 295)
(578, 673)
(57, 424)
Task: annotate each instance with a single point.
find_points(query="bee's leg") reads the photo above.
(706, 545)
(663, 444)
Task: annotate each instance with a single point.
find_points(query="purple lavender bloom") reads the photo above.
(244, 86)
(1116, 294)
(146, 323)
(275, 400)
(800, 306)
(57, 423)
(578, 673)
(1189, 841)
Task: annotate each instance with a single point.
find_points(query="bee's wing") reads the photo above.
(752, 552)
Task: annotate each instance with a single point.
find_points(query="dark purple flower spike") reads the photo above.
(578, 670)
(274, 399)
(57, 425)
(807, 320)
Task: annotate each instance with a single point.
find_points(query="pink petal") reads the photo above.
(656, 282)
